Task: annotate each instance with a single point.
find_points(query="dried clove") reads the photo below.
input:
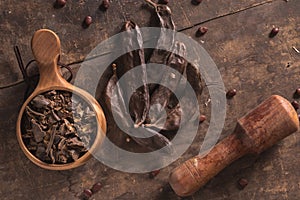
(50, 131)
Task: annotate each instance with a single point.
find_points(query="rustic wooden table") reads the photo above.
(237, 40)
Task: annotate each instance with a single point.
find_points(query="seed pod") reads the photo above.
(139, 100)
(165, 41)
(157, 141)
(160, 98)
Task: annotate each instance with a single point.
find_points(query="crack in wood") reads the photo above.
(227, 14)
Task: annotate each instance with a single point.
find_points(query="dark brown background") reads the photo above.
(238, 42)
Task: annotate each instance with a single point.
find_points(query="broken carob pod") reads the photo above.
(162, 97)
(151, 139)
(194, 78)
(57, 137)
(181, 113)
(261, 128)
(164, 44)
(134, 84)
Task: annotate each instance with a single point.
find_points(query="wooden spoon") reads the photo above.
(46, 49)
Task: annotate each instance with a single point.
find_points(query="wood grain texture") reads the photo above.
(247, 60)
(261, 128)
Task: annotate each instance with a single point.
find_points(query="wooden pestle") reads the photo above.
(270, 122)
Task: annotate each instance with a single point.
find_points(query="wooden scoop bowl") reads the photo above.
(46, 49)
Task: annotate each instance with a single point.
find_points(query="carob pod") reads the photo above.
(194, 78)
(115, 99)
(163, 99)
(165, 41)
(180, 114)
(188, 102)
(138, 101)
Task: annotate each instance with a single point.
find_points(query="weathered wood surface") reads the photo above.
(247, 59)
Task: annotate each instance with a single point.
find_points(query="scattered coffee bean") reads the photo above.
(88, 20)
(163, 1)
(201, 31)
(202, 118)
(153, 174)
(231, 93)
(243, 183)
(297, 92)
(295, 104)
(96, 187)
(86, 194)
(105, 5)
(274, 32)
(196, 2)
(61, 2)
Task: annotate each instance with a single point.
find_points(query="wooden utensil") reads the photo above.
(270, 122)
(46, 49)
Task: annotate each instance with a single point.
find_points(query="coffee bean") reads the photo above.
(105, 5)
(96, 187)
(86, 194)
(88, 20)
(202, 118)
(61, 2)
(297, 92)
(231, 93)
(196, 2)
(201, 31)
(163, 1)
(295, 104)
(154, 173)
(274, 32)
(242, 183)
